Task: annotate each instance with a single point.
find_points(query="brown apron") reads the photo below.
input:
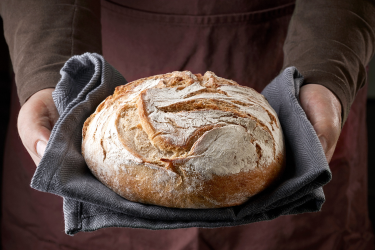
(241, 40)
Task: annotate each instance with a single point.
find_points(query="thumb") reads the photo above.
(41, 147)
(323, 141)
(35, 122)
(328, 133)
(323, 109)
(34, 130)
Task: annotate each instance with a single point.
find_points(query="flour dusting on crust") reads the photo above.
(184, 130)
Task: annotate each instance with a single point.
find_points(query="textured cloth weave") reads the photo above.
(89, 205)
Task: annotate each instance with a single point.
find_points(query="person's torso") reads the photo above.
(240, 40)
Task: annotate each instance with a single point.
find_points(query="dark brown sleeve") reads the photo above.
(330, 42)
(42, 35)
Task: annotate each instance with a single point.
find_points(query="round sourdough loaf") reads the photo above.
(184, 140)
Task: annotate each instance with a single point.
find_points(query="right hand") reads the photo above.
(35, 122)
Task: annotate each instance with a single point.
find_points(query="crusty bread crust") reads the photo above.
(185, 141)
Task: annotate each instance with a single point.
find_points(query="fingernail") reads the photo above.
(323, 142)
(40, 148)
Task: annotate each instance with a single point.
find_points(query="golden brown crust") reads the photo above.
(220, 187)
(162, 174)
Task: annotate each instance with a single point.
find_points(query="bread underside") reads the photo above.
(185, 141)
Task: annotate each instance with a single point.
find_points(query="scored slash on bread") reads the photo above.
(172, 139)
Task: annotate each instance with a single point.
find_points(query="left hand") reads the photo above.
(323, 109)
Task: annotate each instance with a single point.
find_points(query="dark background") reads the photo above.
(6, 76)
(371, 140)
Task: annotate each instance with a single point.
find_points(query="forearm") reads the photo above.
(43, 35)
(330, 42)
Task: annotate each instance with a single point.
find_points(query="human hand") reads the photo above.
(35, 122)
(323, 109)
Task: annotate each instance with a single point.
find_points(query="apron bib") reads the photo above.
(243, 42)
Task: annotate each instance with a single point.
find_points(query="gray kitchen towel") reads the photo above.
(89, 205)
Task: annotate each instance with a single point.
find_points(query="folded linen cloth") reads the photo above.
(89, 205)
